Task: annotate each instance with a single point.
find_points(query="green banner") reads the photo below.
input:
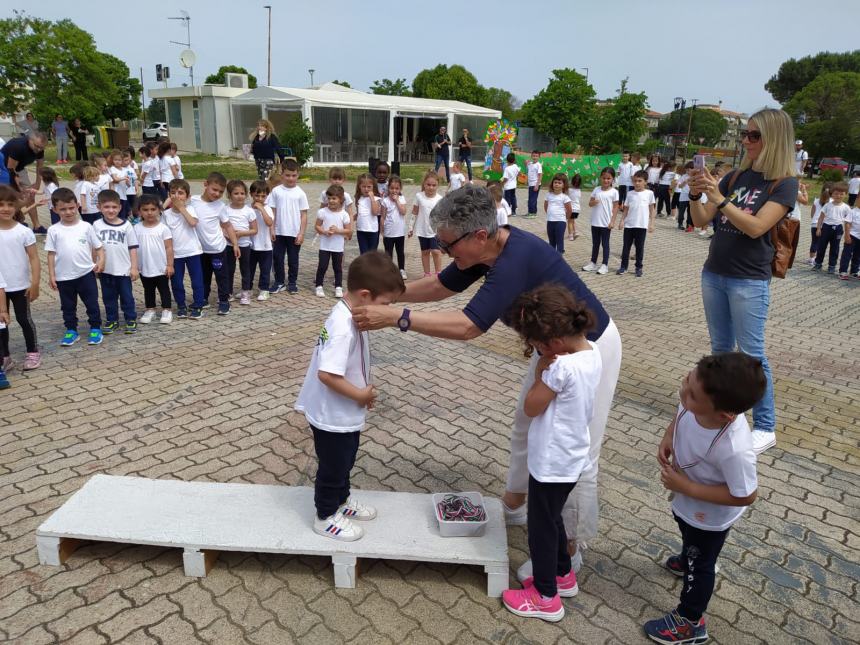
(588, 167)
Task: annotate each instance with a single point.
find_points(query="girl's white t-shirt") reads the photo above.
(555, 203)
(148, 167)
(817, 207)
(185, 240)
(639, 208)
(90, 191)
(262, 241)
(130, 172)
(14, 261)
(117, 176)
(210, 216)
(104, 181)
(854, 186)
(653, 174)
(347, 200)
(458, 179)
(164, 169)
(509, 176)
(394, 224)
(241, 219)
(666, 179)
(48, 190)
(151, 253)
(421, 224)
(683, 188)
(73, 247)
(575, 195)
(503, 211)
(601, 213)
(288, 204)
(339, 219)
(558, 440)
(173, 162)
(365, 219)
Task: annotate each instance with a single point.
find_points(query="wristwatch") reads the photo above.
(404, 323)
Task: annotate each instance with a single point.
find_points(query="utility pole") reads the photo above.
(269, 75)
(689, 127)
(586, 73)
(311, 72)
(187, 19)
(142, 98)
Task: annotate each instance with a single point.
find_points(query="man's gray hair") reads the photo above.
(466, 210)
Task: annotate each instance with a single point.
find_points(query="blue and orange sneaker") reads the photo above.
(674, 629)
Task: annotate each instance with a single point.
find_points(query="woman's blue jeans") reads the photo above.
(736, 311)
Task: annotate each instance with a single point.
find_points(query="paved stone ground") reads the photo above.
(211, 401)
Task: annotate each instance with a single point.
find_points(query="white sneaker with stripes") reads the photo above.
(338, 527)
(355, 510)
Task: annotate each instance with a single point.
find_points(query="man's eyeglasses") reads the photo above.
(446, 247)
(752, 135)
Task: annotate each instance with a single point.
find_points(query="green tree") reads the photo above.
(796, 74)
(155, 111)
(298, 136)
(621, 124)
(454, 83)
(830, 109)
(708, 125)
(564, 109)
(218, 78)
(54, 67)
(499, 99)
(341, 83)
(397, 87)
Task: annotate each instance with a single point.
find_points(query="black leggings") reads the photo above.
(600, 236)
(393, 244)
(684, 213)
(663, 199)
(244, 266)
(336, 258)
(21, 305)
(162, 284)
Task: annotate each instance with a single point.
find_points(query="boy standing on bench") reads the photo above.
(337, 393)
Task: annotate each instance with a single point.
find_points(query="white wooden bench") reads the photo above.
(204, 518)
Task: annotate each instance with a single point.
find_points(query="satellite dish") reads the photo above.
(187, 58)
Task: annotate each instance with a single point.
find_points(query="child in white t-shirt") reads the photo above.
(71, 245)
(130, 168)
(102, 163)
(685, 216)
(337, 392)
(625, 172)
(89, 195)
(637, 219)
(510, 175)
(182, 220)
(332, 225)
(575, 194)
(558, 209)
(244, 221)
(534, 171)
(503, 210)
(367, 213)
(261, 245)
(381, 173)
(831, 227)
(604, 207)
(50, 183)
(708, 463)
(175, 162)
(853, 188)
(849, 264)
(119, 181)
(458, 179)
(425, 201)
(337, 176)
(551, 321)
(817, 207)
(394, 222)
(289, 203)
(155, 258)
(121, 266)
(149, 175)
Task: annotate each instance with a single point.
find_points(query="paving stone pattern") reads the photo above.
(212, 401)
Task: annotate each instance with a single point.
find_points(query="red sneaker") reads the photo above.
(527, 602)
(567, 587)
(689, 229)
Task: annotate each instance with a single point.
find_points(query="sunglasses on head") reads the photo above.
(752, 135)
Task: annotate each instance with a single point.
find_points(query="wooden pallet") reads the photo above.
(205, 518)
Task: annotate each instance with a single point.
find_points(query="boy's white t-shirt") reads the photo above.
(90, 191)
(339, 219)
(148, 167)
(731, 461)
(558, 440)
(854, 186)
(555, 211)
(834, 214)
(535, 169)
(425, 204)
(241, 219)
(131, 172)
(394, 224)
(210, 216)
(817, 207)
(639, 208)
(73, 247)
(347, 200)
(666, 179)
(625, 173)
(104, 181)
(118, 240)
(853, 220)
(288, 204)
(14, 261)
(601, 213)
(509, 176)
(117, 176)
(151, 254)
(365, 219)
(185, 240)
(575, 195)
(458, 179)
(164, 169)
(173, 162)
(503, 212)
(262, 241)
(342, 350)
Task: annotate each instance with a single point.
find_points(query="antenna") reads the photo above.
(183, 16)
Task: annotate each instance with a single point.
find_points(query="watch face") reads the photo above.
(403, 323)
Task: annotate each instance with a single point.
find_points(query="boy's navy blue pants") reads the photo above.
(829, 239)
(264, 260)
(117, 287)
(699, 555)
(547, 537)
(850, 256)
(336, 456)
(86, 288)
(177, 281)
(285, 245)
(533, 200)
(213, 264)
(511, 198)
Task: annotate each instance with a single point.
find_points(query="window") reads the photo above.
(174, 113)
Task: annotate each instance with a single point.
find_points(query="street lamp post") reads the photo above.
(689, 127)
(586, 73)
(311, 72)
(269, 60)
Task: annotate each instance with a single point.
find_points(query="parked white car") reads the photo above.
(157, 131)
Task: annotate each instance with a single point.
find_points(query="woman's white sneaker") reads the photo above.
(337, 527)
(762, 440)
(338, 292)
(355, 510)
(603, 270)
(319, 292)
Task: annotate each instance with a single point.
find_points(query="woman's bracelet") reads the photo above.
(723, 203)
(695, 198)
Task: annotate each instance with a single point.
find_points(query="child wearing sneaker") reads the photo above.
(849, 264)
(561, 404)
(333, 225)
(243, 218)
(261, 243)
(71, 245)
(289, 203)
(337, 391)
(19, 263)
(394, 223)
(120, 244)
(604, 207)
(637, 219)
(155, 258)
(707, 460)
(831, 227)
(181, 219)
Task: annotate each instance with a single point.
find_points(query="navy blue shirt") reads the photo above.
(525, 263)
(267, 148)
(19, 149)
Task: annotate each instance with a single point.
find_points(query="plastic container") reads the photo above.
(460, 528)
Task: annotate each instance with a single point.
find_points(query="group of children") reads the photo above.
(834, 218)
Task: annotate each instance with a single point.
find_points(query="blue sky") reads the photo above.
(718, 49)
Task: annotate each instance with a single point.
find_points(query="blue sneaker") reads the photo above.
(196, 314)
(4, 382)
(277, 288)
(673, 629)
(292, 290)
(96, 337)
(109, 327)
(69, 338)
(223, 308)
(182, 312)
(131, 327)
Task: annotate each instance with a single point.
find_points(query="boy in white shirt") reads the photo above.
(337, 391)
(831, 226)
(706, 459)
(509, 181)
(261, 251)
(638, 214)
(289, 203)
(625, 172)
(851, 246)
(120, 245)
(71, 245)
(332, 225)
(182, 221)
(535, 175)
(458, 179)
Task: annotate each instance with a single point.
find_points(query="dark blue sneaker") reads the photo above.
(621, 272)
(130, 326)
(672, 628)
(638, 273)
(292, 289)
(69, 338)
(41, 230)
(4, 382)
(277, 288)
(196, 314)
(109, 327)
(223, 308)
(205, 305)
(182, 312)
(96, 337)
(831, 269)
(675, 564)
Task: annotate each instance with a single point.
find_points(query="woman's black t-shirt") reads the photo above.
(733, 253)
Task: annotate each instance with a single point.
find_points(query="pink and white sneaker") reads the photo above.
(567, 587)
(528, 602)
(32, 360)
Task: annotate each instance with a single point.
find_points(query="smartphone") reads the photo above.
(699, 162)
